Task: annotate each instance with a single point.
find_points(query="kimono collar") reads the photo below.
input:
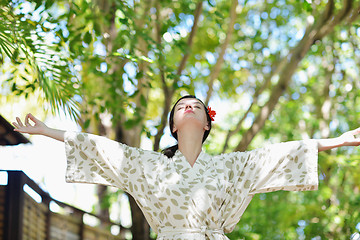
(199, 162)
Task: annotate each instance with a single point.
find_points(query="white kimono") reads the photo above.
(183, 202)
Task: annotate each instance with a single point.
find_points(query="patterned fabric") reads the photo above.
(184, 202)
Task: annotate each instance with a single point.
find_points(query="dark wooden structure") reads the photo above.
(23, 218)
(8, 136)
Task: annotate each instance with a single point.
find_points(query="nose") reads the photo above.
(188, 106)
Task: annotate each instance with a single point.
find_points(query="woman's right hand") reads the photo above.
(37, 128)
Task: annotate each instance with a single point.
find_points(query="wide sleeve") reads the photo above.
(96, 159)
(290, 166)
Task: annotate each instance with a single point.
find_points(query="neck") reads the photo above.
(190, 144)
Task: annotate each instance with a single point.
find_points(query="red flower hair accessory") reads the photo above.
(212, 113)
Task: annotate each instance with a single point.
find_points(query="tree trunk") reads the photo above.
(103, 210)
(140, 228)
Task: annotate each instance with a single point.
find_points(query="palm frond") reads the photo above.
(28, 42)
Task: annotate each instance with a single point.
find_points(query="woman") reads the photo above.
(183, 192)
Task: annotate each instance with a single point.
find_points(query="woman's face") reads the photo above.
(190, 110)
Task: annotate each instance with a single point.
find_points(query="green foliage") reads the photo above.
(29, 50)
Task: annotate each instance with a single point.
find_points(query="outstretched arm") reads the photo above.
(37, 128)
(346, 139)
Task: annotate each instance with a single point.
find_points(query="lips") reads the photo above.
(189, 111)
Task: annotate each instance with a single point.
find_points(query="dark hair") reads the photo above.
(170, 151)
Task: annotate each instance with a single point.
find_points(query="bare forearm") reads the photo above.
(330, 143)
(54, 133)
(346, 139)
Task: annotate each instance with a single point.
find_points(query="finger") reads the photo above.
(15, 124)
(27, 120)
(355, 131)
(34, 119)
(17, 128)
(19, 122)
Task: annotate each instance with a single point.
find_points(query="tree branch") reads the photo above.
(134, 134)
(265, 111)
(276, 69)
(324, 113)
(329, 26)
(316, 32)
(329, 9)
(169, 92)
(239, 124)
(165, 88)
(216, 70)
(194, 28)
(354, 14)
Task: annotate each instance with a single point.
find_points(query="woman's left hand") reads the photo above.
(346, 139)
(349, 138)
